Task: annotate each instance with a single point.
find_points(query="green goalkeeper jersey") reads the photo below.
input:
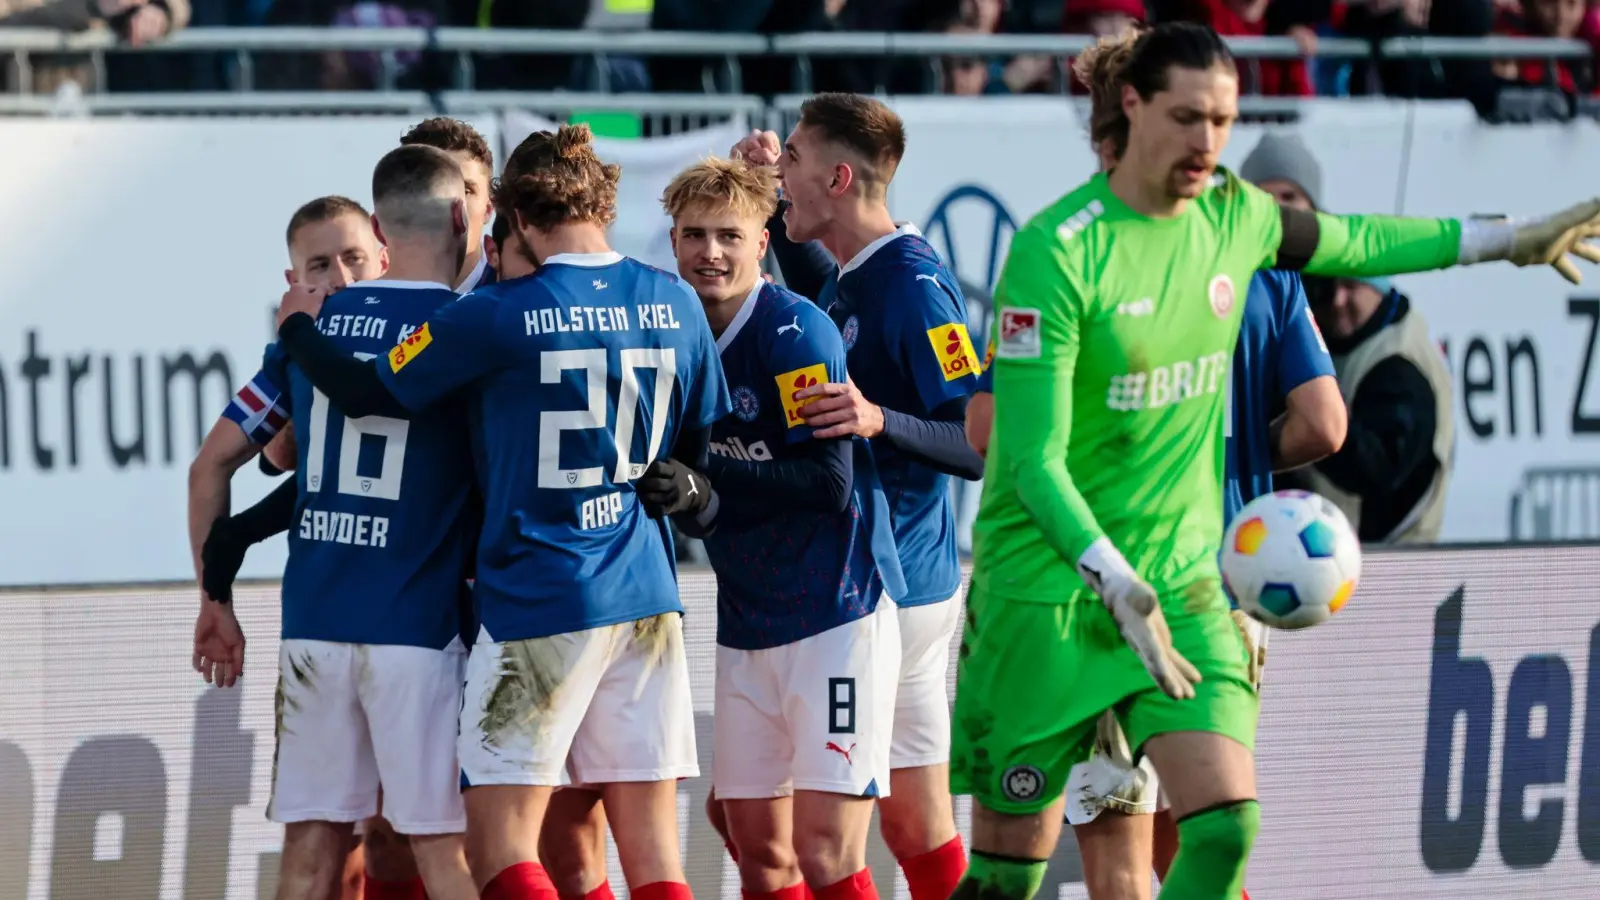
(1111, 373)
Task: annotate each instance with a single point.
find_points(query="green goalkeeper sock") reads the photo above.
(1213, 847)
(1000, 878)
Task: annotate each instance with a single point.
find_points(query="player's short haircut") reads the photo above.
(451, 136)
(1141, 58)
(554, 178)
(323, 209)
(750, 191)
(865, 127)
(412, 189)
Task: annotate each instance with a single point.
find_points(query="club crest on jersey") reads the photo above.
(407, 350)
(1221, 294)
(1022, 784)
(850, 331)
(796, 380)
(953, 347)
(745, 404)
(1019, 334)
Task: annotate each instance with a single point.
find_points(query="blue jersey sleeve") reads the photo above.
(455, 347)
(816, 355)
(262, 407)
(1302, 354)
(930, 335)
(708, 398)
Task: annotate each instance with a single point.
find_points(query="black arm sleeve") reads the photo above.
(820, 480)
(271, 515)
(351, 384)
(1390, 435)
(805, 267)
(939, 441)
(267, 468)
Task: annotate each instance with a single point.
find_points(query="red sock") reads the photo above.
(1244, 894)
(603, 892)
(523, 881)
(934, 875)
(661, 890)
(394, 890)
(792, 892)
(856, 887)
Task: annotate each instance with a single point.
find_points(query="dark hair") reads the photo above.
(862, 125)
(451, 136)
(411, 171)
(500, 230)
(554, 178)
(323, 209)
(1141, 59)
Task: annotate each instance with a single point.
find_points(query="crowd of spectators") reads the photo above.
(1306, 22)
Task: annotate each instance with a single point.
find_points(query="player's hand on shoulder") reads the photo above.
(301, 298)
(1137, 610)
(218, 645)
(759, 148)
(839, 410)
(669, 488)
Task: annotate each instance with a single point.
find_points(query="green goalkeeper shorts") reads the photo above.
(1033, 678)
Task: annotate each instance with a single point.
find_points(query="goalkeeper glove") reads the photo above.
(1543, 241)
(1134, 606)
(669, 488)
(1255, 645)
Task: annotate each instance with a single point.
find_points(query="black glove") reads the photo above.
(670, 488)
(220, 559)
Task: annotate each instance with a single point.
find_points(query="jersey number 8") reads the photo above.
(595, 367)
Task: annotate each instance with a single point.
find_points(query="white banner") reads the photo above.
(140, 262)
(1436, 740)
(642, 229)
(1521, 343)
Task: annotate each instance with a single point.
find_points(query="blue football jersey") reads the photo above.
(385, 525)
(583, 374)
(904, 325)
(1279, 349)
(784, 574)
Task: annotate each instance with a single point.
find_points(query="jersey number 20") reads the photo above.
(595, 367)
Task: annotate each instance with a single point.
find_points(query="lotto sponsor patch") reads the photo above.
(797, 380)
(407, 350)
(953, 347)
(1019, 334)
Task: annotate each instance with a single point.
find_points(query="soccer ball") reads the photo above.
(1291, 559)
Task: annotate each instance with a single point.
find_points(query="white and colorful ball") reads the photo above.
(1290, 559)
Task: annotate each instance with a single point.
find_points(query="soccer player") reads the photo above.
(911, 368)
(803, 548)
(1117, 316)
(372, 659)
(1279, 362)
(471, 151)
(586, 375)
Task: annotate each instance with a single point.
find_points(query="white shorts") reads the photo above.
(1111, 780)
(814, 715)
(354, 716)
(609, 704)
(922, 704)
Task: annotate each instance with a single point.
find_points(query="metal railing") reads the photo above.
(463, 45)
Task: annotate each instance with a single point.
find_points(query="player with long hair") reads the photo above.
(1095, 584)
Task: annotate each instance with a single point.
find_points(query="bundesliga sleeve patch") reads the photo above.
(1019, 334)
(407, 350)
(953, 347)
(795, 380)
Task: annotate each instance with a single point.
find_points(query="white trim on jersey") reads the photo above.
(398, 285)
(740, 318)
(585, 260)
(475, 277)
(904, 229)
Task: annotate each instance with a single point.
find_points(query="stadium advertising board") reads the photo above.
(1522, 344)
(1435, 740)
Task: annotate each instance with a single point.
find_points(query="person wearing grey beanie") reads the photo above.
(1282, 165)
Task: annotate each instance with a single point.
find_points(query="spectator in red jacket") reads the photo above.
(1248, 18)
(1578, 19)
